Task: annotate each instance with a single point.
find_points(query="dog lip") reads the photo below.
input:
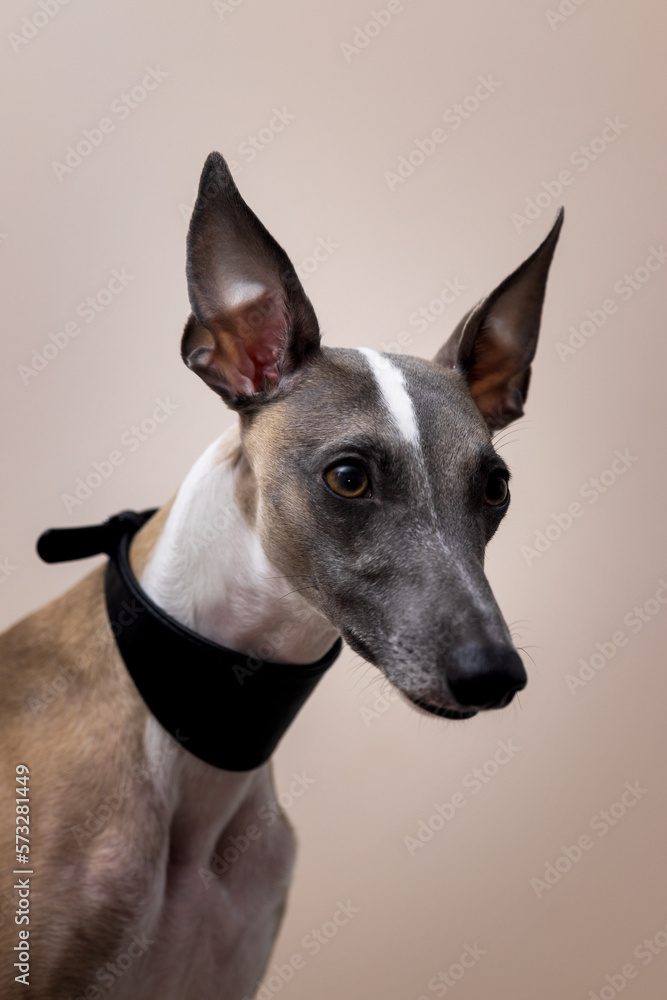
(446, 713)
(358, 645)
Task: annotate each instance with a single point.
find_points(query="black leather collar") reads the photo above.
(228, 709)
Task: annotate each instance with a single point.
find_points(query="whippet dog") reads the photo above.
(354, 498)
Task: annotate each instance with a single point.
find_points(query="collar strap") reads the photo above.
(232, 708)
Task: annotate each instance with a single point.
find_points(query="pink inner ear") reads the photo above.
(265, 356)
(249, 343)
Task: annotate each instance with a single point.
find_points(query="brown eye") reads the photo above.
(497, 491)
(349, 481)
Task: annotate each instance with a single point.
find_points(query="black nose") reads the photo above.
(485, 676)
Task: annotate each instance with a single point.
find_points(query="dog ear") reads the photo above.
(494, 344)
(252, 326)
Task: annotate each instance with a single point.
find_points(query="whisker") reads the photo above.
(516, 628)
(286, 576)
(506, 441)
(367, 678)
(297, 590)
(372, 681)
(503, 438)
(524, 649)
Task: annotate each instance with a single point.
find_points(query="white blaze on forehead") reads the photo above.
(391, 383)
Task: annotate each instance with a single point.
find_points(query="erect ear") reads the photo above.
(494, 344)
(252, 325)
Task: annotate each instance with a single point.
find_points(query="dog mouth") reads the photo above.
(358, 645)
(445, 711)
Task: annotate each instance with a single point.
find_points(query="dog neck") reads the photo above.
(208, 570)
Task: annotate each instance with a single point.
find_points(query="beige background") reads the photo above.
(322, 176)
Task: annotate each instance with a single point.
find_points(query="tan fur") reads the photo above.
(119, 839)
(68, 645)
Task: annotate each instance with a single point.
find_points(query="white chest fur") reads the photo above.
(209, 571)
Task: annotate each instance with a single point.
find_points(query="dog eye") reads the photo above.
(349, 481)
(497, 491)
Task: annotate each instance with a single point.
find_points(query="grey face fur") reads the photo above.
(371, 479)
